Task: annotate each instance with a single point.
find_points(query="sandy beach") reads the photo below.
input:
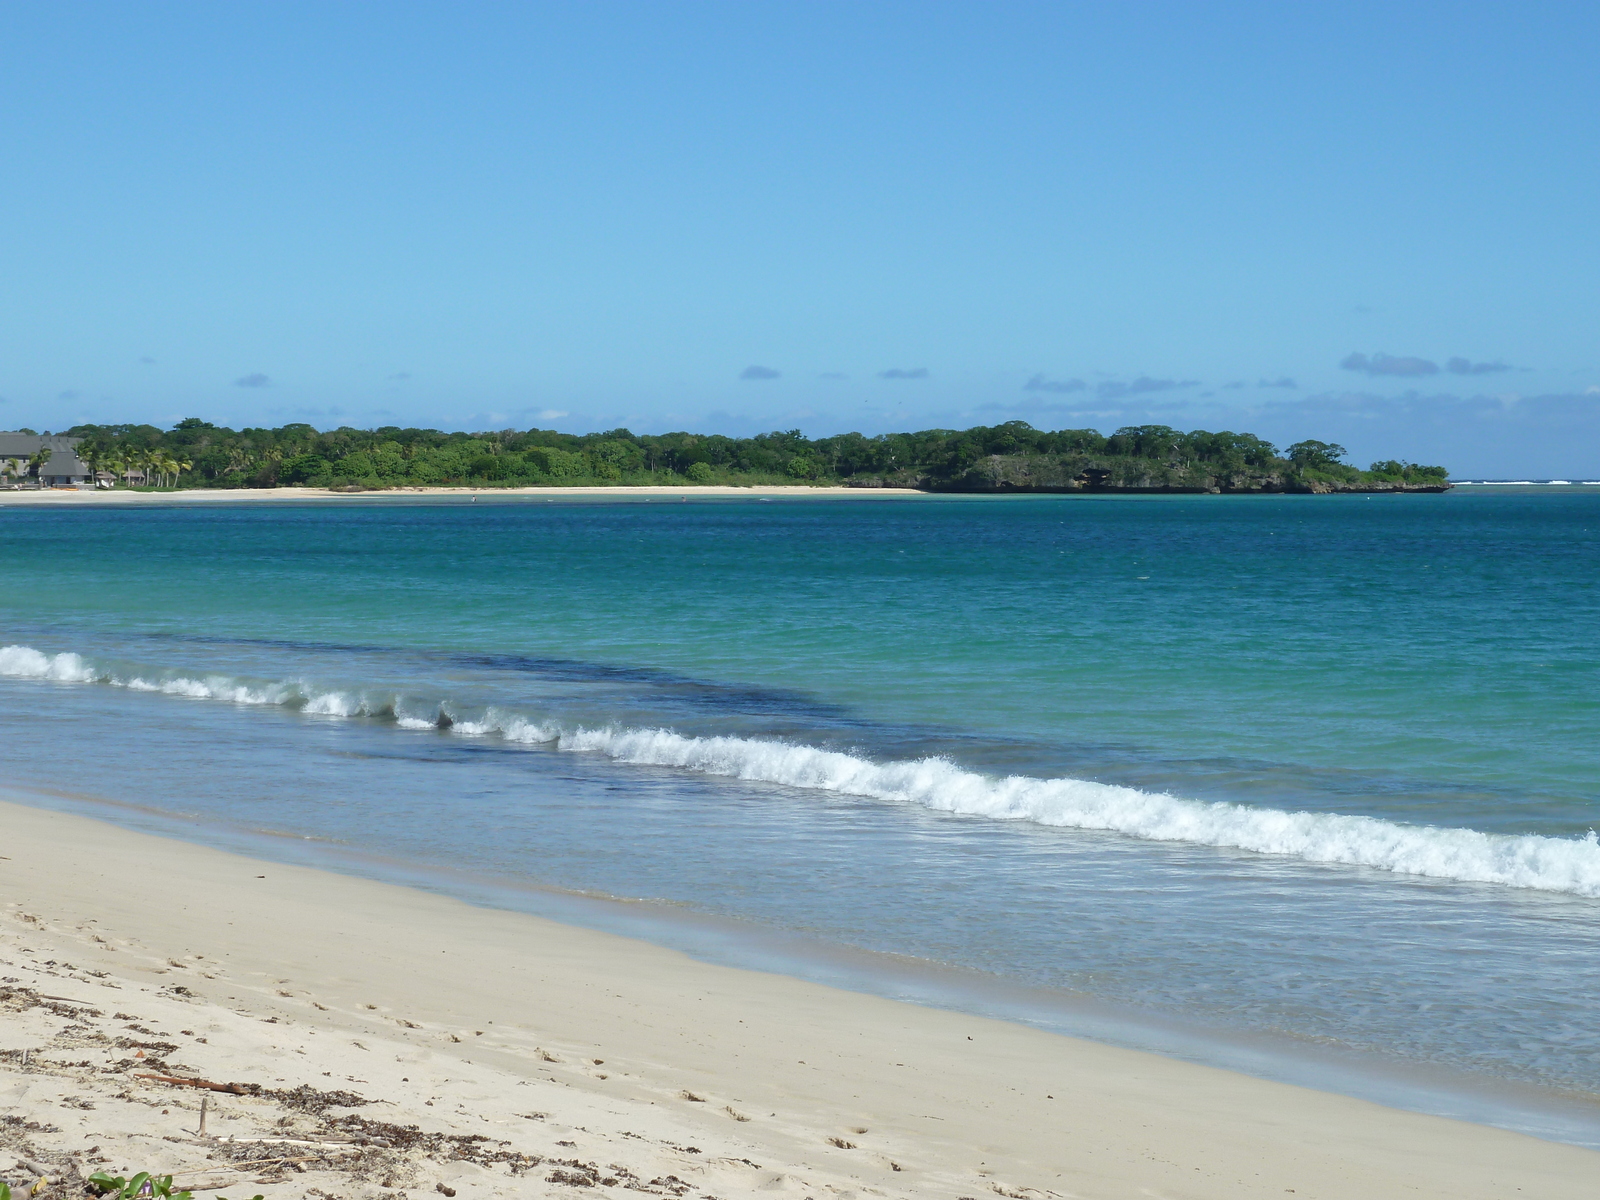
(377, 1041)
(247, 495)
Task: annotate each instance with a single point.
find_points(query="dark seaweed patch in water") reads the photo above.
(687, 689)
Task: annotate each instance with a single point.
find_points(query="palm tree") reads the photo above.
(38, 459)
(96, 459)
(89, 457)
(173, 466)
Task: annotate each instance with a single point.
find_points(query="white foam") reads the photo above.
(1570, 865)
(28, 663)
(1525, 861)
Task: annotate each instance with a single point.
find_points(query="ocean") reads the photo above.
(1301, 785)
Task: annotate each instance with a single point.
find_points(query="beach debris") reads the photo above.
(70, 1000)
(841, 1143)
(236, 1089)
(36, 1169)
(688, 1095)
(444, 1191)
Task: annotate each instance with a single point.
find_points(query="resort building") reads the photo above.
(63, 468)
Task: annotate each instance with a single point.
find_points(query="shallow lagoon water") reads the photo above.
(454, 693)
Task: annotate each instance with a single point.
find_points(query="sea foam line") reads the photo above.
(1570, 865)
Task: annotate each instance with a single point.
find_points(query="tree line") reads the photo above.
(196, 453)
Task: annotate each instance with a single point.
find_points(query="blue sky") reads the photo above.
(1369, 223)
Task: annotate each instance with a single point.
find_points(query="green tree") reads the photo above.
(1313, 454)
(37, 461)
(558, 464)
(94, 458)
(303, 467)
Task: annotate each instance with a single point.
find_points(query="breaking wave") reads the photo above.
(1570, 865)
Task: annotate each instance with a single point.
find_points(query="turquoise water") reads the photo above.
(1320, 770)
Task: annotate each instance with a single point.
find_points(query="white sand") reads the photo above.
(572, 1045)
(246, 495)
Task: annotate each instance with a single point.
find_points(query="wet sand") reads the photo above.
(537, 1058)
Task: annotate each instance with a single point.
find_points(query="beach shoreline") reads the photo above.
(301, 972)
(246, 495)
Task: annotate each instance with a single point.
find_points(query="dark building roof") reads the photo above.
(23, 445)
(64, 462)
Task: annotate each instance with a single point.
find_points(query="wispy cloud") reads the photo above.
(253, 380)
(755, 372)
(68, 395)
(1059, 386)
(904, 373)
(148, 361)
(1389, 364)
(398, 375)
(553, 414)
(1282, 381)
(1113, 389)
(1465, 366)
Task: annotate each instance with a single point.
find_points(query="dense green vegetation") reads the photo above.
(1012, 456)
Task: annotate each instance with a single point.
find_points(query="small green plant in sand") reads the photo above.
(143, 1184)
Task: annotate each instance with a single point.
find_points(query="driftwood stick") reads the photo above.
(214, 1168)
(204, 1102)
(236, 1089)
(265, 1141)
